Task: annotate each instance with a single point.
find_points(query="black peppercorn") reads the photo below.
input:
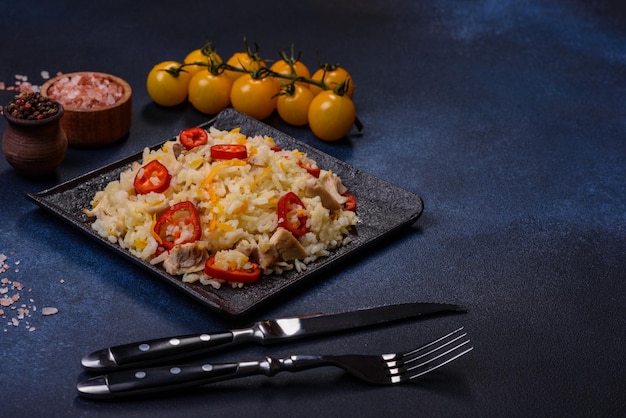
(31, 106)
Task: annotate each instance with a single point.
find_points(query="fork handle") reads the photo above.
(167, 378)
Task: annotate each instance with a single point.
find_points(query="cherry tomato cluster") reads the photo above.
(245, 81)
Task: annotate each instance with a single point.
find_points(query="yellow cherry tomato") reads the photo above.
(332, 76)
(198, 56)
(299, 70)
(166, 88)
(244, 61)
(293, 105)
(210, 93)
(254, 97)
(331, 116)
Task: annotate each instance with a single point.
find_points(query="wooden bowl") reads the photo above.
(98, 126)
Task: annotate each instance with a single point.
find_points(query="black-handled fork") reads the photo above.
(386, 369)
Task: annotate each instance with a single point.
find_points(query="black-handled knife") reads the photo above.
(161, 350)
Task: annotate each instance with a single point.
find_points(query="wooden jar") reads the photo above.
(34, 148)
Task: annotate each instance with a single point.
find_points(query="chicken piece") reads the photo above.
(333, 186)
(264, 254)
(328, 187)
(286, 245)
(186, 258)
(281, 246)
(245, 247)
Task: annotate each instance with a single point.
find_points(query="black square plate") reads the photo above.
(382, 209)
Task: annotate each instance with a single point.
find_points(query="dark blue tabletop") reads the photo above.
(507, 118)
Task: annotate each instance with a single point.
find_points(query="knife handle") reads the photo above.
(159, 350)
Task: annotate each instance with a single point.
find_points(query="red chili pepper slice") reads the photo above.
(193, 137)
(239, 276)
(350, 203)
(180, 218)
(152, 177)
(314, 171)
(291, 215)
(276, 148)
(229, 152)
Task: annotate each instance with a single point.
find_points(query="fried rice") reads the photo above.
(236, 201)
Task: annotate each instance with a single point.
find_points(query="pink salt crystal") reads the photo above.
(49, 311)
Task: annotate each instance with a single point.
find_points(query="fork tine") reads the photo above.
(443, 359)
(431, 356)
(432, 347)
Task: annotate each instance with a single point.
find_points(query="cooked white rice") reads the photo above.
(236, 201)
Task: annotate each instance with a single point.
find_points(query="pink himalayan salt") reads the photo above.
(86, 91)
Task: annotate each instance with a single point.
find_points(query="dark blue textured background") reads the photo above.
(507, 118)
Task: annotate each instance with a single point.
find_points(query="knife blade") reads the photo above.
(149, 352)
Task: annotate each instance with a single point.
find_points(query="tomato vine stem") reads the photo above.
(220, 66)
(217, 67)
(175, 71)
